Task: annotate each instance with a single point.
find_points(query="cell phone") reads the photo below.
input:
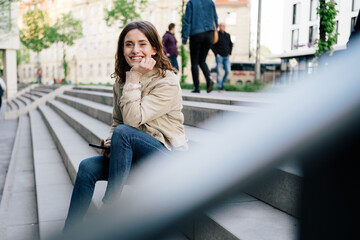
(99, 146)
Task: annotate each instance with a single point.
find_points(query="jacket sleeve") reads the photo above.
(137, 111)
(214, 48)
(230, 44)
(186, 23)
(215, 15)
(164, 43)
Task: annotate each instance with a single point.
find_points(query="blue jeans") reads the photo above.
(174, 62)
(225, 63)
(128, 146)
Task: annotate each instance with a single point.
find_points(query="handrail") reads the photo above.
(303, 116)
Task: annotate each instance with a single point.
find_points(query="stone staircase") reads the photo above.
(60, 130)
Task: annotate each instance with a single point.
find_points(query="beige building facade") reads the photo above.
(91, 59)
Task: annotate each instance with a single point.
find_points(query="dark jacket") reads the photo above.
(199, 17)
(169, 42)
(223, 46)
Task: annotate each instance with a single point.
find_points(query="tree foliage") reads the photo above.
(327, 13)
(66, 30)
(124, 11)
(36, 31)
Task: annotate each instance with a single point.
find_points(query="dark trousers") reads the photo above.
(174, 62)
(199, 47)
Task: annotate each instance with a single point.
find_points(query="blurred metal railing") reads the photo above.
(304, 116)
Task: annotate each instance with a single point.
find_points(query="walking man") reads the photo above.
(169, 42)
(222, 50)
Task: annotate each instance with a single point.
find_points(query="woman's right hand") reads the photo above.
(105, 152)
(146, 65)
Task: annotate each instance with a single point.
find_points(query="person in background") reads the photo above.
(147, 118)
(222, 50)
(39, 75)
(198, 23)
(2, 87)
(169, 42)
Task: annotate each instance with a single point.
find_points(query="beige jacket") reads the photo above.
(154, 108)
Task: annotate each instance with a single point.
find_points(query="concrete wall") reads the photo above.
(9, 43)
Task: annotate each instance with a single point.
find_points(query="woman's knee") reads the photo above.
(122, 131)
(90, 168)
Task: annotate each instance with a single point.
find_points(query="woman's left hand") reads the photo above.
(146, 65)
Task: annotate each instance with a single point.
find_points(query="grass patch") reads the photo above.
(248, 87)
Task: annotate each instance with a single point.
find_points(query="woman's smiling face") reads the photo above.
(137, 47)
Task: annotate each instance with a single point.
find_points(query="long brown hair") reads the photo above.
(149, 30)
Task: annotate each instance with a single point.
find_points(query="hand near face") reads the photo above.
(146, 65)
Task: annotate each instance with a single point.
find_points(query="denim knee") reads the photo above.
(121, 131)
(85, 171)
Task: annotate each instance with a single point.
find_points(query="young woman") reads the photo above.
(147, 117)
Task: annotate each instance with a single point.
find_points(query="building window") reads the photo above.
(313, 6)
(353, 22)
(99, 69)
(296, 13)
(313, 31)
(24, 72)
(29, 72)
(355, 5)
(47, 71)
(294, 39)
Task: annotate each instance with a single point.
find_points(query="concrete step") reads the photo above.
(280, 188)
(72, 148)
(7, 137)
(268, 192)
(44, 90)
(19, 104)
(246, 218)
(195, 113)
(11, 106)
(53, 184)
(96, 110)
(18, 210)
(216, 222)
(105, 98)
(91, 129)
(95, 88)
(24, 100)
(37, 93)
(30, 96)
(238, 101)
